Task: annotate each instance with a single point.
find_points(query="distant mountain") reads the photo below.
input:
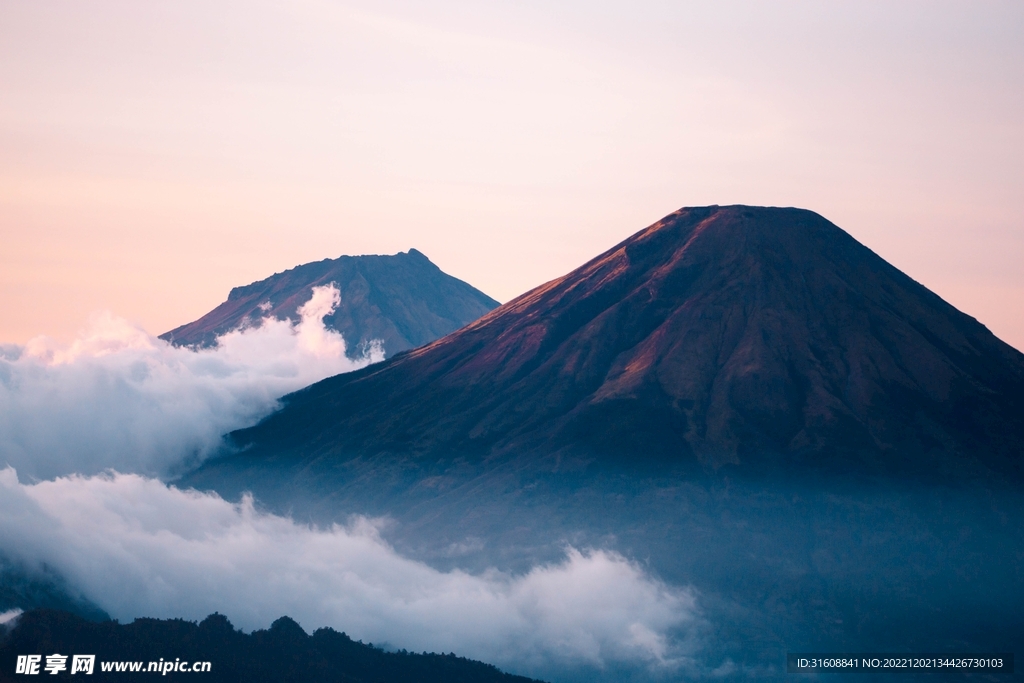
(284, 653)
(755, 339)
(404, 300)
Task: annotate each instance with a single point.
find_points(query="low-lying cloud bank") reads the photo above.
(122, 399)
(138, 547)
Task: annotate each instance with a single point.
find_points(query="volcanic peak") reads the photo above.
(402, 300)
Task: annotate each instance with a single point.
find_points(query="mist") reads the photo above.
(119, 398)
(138, 547)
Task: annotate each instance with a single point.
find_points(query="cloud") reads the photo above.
(138, 547)
(120, 398)
(9, 616)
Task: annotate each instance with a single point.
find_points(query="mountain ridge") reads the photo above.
(283, 652)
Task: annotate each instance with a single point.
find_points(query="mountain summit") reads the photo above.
(718, 337)
(403, 300)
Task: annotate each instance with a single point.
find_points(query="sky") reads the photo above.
(154, 155)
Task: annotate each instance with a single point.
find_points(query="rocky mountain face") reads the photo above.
(404, 300)
(736, 337)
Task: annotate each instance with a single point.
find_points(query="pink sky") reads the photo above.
(153, 155)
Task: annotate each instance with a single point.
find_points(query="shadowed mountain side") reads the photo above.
(403, 300)
(779, 565)
(282, 653)
(25, 588)
(765, 339)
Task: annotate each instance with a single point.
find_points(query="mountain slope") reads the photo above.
(403, 300)
(719, 336)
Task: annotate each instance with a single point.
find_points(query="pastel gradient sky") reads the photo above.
(153, 155)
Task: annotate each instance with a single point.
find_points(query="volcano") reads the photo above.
(736, 338)
(402, 301)
(746, 400)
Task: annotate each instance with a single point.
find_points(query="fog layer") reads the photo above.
(138, 547)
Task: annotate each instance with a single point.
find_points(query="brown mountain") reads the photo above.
(717, 337)
(743, 400)
(404, 300)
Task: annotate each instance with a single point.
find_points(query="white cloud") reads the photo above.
(120, 398)
(9, 616)
(138, 547)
